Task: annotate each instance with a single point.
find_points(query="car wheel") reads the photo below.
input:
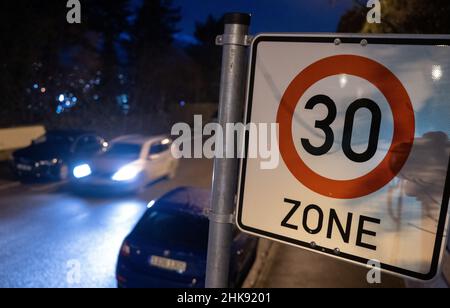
(63, 172)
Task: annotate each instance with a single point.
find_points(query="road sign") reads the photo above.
(363, 136)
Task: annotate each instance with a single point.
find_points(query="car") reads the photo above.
(129, 164)
(168, 246)
(52, 155)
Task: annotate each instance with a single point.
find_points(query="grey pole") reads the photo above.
(232, 96)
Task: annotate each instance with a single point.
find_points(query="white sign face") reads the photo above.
(363, 135)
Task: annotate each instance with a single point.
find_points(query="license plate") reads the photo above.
(168, 264)
(22, 167)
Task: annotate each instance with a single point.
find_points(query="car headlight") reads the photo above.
(48, 162)
(127, 173)
(82, 171)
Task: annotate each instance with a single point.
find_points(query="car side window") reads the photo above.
(158, 148)
(87, 144)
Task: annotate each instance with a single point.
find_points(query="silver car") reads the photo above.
(129, 164)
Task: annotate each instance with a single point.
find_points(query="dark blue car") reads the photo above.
(168, 246)
(52, 155)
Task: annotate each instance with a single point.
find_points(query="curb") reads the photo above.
(266, 252)
(446, 268)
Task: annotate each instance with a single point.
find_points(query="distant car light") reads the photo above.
(151, 204)
(47, 162)
(82, 171)
(165, 141)
(127, 173)
(125, 250)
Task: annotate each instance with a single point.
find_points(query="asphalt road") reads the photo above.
(46, 232)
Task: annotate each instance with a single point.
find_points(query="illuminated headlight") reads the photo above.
(47, 162)
(82, 171)
(125, 250)
(127, 173)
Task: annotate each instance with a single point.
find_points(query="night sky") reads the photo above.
(268, 15)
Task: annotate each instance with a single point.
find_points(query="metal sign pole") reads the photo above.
(232, 91)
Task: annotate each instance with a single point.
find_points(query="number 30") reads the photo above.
(325, 126)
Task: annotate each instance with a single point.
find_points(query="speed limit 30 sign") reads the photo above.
(363, 126)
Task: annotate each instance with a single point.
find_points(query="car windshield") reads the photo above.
(174, 230)
(124, 150)
(54, 138)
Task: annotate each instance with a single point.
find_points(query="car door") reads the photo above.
(87, 146)
(156, 160)
(166, 156)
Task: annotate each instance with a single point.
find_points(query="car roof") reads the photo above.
(137, 139)
(188, 200)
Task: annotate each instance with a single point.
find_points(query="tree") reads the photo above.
(208, 55)
(353, 20)
(33, 33)
(153, 56)
(401, 16)
(109, 19)
(45, 58)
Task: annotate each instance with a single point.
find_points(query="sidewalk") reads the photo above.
(282, 266)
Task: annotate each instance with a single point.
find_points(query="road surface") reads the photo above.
(46, 231)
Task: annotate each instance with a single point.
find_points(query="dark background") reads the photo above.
(134, 65)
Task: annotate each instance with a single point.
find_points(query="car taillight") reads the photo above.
(125, 251)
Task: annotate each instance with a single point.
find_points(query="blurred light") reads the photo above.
(59, 109)
(35, 86)
(47, 162)
(74, 99)
(43, 90)
(82, 171)
(105, 144)
(61, 98)
(165, 141)
(125, 251)
(182, 103)
(151, 204)
(67, 103)
(436, 72)
(127, 173)
(343, 81)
